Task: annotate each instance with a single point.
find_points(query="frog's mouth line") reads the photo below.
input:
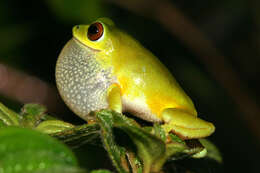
(95, 50)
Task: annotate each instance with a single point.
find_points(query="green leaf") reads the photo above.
(25, 150)
(32, 115)
(8, 117)
(212, 150)
(63, 169)
(79, 135)
(149, 147)
(116, 153)
(100, 171)
(53, 126)
(33, 109)
(176, 139)
(153, 146)
(2, 124)
(158, 131)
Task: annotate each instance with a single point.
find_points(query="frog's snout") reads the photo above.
(79, 31)
(77, 27)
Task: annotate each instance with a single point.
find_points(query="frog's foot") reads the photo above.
(91, 121)
(185, 125)
(114, 98)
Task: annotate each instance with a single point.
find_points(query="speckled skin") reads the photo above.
(81, 81)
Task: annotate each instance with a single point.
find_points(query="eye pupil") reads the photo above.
(95, 31)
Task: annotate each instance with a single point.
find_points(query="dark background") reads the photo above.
(32, 33)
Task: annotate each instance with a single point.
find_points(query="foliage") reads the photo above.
(147, 148)
(23, 150)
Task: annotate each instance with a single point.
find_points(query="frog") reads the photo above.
(103, 67)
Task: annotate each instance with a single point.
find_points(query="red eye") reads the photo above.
(95, 31)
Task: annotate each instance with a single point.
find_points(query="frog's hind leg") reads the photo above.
(185, 125)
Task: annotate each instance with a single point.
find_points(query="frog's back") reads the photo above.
(147, 85)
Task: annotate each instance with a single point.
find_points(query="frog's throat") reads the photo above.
(82, 82)
(78, 41)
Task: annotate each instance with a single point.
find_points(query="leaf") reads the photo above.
(212, 150)
(176, 139)
(33, 109)
(158, 131)
(63, 169)
(32, 115)
(116, 153)
(8, 117)
(53, 126)
(100, 171)
(2, 124)
(79, 135)
(153, 146)
(149, 147)
(25, 150)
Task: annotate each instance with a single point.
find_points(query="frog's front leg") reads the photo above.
(114, 98)
(185, 125)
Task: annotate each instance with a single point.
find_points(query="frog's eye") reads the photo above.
(95, 31)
